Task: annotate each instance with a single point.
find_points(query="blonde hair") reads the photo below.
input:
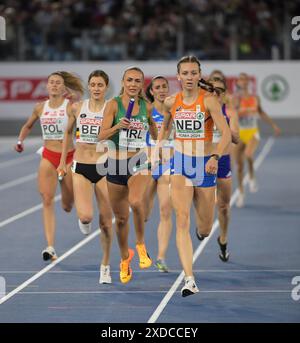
(71, 81)
(141, 94)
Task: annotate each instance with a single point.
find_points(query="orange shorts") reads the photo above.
(54, 157)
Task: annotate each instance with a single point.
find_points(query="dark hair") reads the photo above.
(217, 89)
(71, 81)
(188, 59)
(141, 93)
(206, 85)
(217, 71)
(99, 73)
(149, 87)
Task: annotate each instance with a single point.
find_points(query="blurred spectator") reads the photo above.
(146, 29)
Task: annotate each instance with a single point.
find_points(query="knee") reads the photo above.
(248, 156)
(183, 219)
(47, 199)
(165, 212)
(136, 204)
(105, 225)
(67, 207)
(224, 208)
(85, 218)
(121, 220)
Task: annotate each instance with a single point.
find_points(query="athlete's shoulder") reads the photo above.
(111, 105)
(38, 108)
(209, 96)
(170, 100)
(76, 106)
(148, 104)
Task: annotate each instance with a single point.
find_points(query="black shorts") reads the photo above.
(92, 172)
(120, 171)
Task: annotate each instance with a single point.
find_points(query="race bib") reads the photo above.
(52, 128)
(134, 137)
(190, 124)
(248, 122)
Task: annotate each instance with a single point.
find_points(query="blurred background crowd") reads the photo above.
(67, 30)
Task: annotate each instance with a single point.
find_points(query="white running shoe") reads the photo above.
(105, 274)
(253, 188)
(240, 200)
(189, 287)
(49, 254)
(86, 229)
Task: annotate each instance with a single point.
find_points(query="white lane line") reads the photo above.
(157, 271)
(25, 213)
(19, 160)
(18, 181)
(157, 312)
(94, 234)
(161, 291)
(50, 266)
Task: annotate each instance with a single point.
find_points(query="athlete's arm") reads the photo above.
(165, 130)
(152, 125)
(167, 123)
(213, 106)
(26, 128)
(72, 112)
(233, 124)
(267, 119)
(107, 130)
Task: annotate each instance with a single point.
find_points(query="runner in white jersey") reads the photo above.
(53, 118)
(89, 165)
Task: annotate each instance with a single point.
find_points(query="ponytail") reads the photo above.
(206, 85)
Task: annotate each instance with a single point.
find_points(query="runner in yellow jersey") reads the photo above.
(249, 110)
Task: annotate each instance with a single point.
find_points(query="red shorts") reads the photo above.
(54, 157)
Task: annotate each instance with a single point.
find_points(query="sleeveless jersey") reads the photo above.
(88, 124)
(248, 120)
(135, 136)
(192, 122)
(54, 121)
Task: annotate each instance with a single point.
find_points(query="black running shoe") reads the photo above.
(224, 254)
(200, 236)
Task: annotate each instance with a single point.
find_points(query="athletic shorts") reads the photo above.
(54, 157)
(93, 172)
(247, 134)
(120, 171)
(165, 168)
(224, 167)
(193, 168)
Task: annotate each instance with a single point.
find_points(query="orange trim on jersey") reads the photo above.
(246, 104)
(208, 121)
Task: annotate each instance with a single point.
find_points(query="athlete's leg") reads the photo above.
(47, 182)
(137, 186)
(165, 208)
(204, 201)
(239, 150)
(149, 198)
(182, 196)
(67, 195)
(83, 193)
(118, 196)
(105, 219)
(250, 150)
(224, 187)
